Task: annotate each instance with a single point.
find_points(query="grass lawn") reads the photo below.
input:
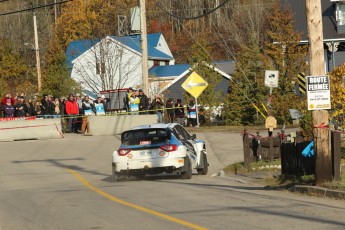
(266, 174)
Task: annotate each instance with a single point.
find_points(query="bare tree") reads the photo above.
(108, 65)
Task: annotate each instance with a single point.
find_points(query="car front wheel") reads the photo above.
(204, 170)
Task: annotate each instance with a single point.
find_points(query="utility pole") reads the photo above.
(144, 52)
(38, 62)
(323, 167)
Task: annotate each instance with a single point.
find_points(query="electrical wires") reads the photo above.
(33, 8)
(194, 17)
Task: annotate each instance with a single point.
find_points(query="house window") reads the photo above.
(340, 13)
(156, 63)
(166, 62)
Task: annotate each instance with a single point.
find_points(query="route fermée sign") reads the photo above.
(318, 92)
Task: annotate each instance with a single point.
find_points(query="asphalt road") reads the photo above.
(66, 184)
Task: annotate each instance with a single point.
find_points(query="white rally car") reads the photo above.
(159, 148)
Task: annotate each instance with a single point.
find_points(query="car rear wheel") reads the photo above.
(188, 167)
(204, 170)
(116, 175)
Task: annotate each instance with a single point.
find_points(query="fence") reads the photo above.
(293, 162)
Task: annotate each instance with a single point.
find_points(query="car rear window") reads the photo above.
(145, 136)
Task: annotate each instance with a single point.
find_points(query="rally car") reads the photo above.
(159, 148)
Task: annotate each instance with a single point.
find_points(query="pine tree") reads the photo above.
(201, 64)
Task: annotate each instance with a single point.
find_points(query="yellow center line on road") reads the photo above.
(128, 204)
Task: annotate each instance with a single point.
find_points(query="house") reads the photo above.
(114, 62)
(170, 78)
(333, 19)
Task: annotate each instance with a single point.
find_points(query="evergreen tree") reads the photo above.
(201, 64)
(56, 80)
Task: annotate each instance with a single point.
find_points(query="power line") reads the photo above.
(195, 17)
(34, 8)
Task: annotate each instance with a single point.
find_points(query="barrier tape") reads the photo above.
(108, 114)
(323, 126)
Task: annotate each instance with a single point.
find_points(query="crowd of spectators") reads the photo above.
(136, 102)
(74, 108)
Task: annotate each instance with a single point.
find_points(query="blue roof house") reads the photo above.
(115, 62)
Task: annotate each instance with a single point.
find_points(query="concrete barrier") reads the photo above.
(30, 129)
(112, 125)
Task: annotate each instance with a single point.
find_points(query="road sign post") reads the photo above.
(195, 85)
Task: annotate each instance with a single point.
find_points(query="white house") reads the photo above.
(115, 62)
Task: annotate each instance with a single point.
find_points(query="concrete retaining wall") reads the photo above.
(30, 129)
(111, 125)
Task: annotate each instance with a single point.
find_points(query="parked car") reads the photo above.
(159, 148)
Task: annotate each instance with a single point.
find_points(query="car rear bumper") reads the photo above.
(150, 166)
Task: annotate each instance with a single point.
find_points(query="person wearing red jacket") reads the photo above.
(7, 96)
(72, 111)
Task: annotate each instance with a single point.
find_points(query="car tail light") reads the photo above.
(168, 148)
(123, 152)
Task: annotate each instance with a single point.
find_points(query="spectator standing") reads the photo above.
(62, 106)
(144, 102)
(191, 109)
(57, 107)
(51, 105)
(72, 111)
(31, 107)
(21, 108)
(179, 112)
(158, 107)
(2, 110)
(7, 96)
(88, 109)
(134, 102)
(99, 106)
(126, 99)
(170, 110)
(37, 108)
(45, 105)
(9, 110)
(80, 111)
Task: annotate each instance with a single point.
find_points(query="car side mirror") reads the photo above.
(194, 136)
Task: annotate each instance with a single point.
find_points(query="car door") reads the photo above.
(187, 140)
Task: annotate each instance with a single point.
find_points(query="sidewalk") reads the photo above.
(303, 189)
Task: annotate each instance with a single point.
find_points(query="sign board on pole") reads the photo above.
(318, 92)
(271, 78)
(194, 85)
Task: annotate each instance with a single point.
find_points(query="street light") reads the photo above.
(38, 64)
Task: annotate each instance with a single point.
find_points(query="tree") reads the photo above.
(338, 95)
(247, 86)
(15, 75)
(200, 63)
(284, 53)
(56, 80)
(278, 50)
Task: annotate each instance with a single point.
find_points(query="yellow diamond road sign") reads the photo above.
(194, 85)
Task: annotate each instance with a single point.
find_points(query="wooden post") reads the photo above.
(323, 167)
(336, 155)
(246, 150)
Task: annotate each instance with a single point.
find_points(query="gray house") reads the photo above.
(174, 89)
(333, 19)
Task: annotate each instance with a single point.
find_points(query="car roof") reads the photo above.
(155, 126)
